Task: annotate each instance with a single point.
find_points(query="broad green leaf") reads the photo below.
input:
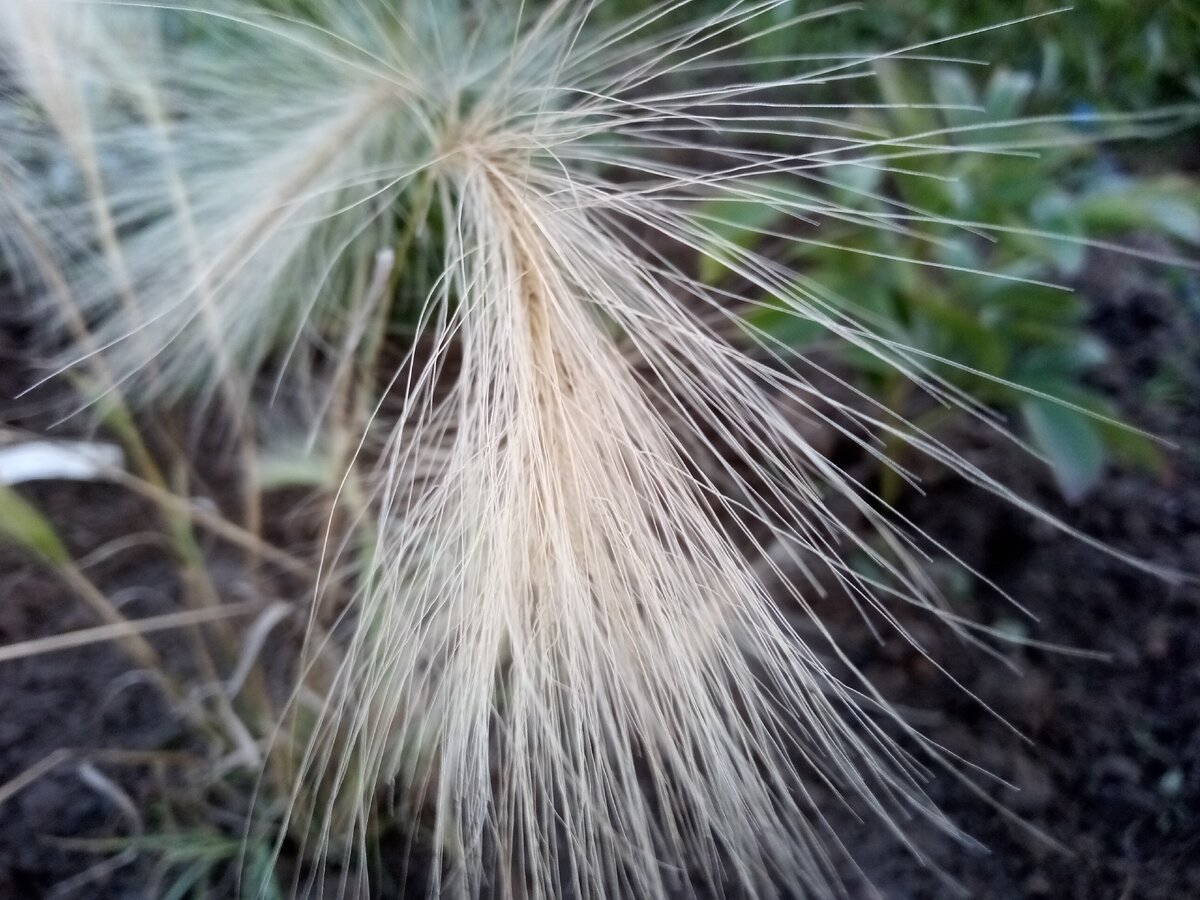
(854, 179)
(900, 88)
(1007, 93)
(1126, 446)
(1070, 442)
(739, 222)
(1030, 302)
(866, 363)
(1060, 357)
(953, 88)
(1169, 206)
(950, 330)
(923, 191)
(1050, 76)
(791, 330)
(1057, 212)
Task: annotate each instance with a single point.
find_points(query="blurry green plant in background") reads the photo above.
(1020, 348)
(1113, 54)
(1018, 343)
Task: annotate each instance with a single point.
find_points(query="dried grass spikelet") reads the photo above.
(569, 643)
(41, 42)
(210, 177)
(564, 650)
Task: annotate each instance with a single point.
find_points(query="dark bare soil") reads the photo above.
(81, 701)
(1107, 761)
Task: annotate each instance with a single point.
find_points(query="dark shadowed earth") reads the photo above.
(1107, 759)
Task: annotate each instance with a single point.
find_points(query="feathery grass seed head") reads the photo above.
(594, 477)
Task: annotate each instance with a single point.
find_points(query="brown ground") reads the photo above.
(1112, 766)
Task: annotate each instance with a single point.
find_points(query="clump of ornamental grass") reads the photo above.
(588, 516)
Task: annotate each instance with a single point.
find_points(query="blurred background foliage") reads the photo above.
(1013, 345)
(1115, 54)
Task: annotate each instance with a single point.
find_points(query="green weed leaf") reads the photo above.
(23, 525)
(1170, 206)
(1071, 443)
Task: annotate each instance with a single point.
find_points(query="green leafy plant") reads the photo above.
(1017, 343)
(1112, 54)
